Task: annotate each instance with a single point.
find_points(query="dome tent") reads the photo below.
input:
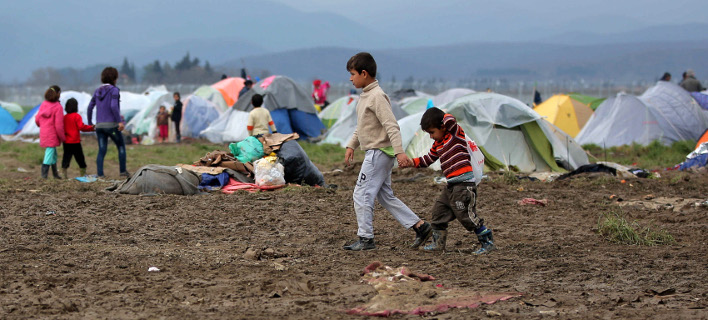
(665, 112)
(230, 127)
(337, 109)
(508, 132)
(213, 95)
(197, 114)
(8, 124)
(566, 113)
(14, 109)
(342, 130)
(290, 106)
(143, 123)
(229, 88)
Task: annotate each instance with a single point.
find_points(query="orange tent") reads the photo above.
(704, 138)
(229, 88)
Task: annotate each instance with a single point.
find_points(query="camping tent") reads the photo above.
(566, 113)
(450, 95)
(8, 124)
(401, 94)
(337, 109)
(290, 106)
(230, 127)
(197, 114)
(27, 127)
(132, 103)
(14, 109)
(213, 95)
(508, 132)
(664, 112)
(591, 102)
(342, 130)
(229, 88)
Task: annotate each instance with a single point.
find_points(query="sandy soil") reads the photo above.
(91, 259)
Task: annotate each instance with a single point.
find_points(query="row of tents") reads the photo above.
(214, 112)
(545, 138)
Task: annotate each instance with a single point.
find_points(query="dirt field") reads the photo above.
(91, 259)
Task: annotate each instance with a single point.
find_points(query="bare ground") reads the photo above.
(90, 260)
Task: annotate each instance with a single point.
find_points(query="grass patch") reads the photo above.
(328, 155)
(615, 228)
(654, 155)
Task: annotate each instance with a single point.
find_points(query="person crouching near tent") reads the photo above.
(50, 120)
(73, 125)
(459, 199)
(377, 132)
(259, 118)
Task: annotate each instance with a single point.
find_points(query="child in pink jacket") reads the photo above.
(50, 120)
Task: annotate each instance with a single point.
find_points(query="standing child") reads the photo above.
(177, 115)
(50, 120)
(259, 118)
(163, 121)
(73, 125)
(459, 199)
(377, 132)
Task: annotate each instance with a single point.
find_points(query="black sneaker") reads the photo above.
(422, 234)
(362, 244)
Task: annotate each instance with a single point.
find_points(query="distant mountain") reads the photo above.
(529, 61)
(665, 33)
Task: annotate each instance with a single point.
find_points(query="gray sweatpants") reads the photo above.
(375, 183)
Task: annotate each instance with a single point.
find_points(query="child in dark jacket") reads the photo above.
(459, 199)
(73, 125)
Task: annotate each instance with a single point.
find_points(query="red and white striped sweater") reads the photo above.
(452, 151)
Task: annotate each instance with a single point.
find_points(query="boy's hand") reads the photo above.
(403, 160)
(348, 156)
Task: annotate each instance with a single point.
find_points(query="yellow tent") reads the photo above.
(566, 113)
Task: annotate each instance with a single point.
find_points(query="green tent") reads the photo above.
(591, 102)
(509, 133)
(337, 109)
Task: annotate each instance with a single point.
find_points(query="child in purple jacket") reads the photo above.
(109, 124)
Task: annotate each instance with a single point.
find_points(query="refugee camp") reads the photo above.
(353, 160)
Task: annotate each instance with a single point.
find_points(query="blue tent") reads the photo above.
(29, 116)
(7, 122)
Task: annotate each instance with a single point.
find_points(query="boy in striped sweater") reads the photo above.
(459, 199)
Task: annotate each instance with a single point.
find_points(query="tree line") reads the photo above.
(186, 70)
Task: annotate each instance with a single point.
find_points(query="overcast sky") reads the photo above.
(77, 33)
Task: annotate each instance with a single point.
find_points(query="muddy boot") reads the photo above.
(422, 234)
(55, 173)
(439, 239)
(486, 239)
(65, 171)
(45, 171)
(362, 244)
(82, 172)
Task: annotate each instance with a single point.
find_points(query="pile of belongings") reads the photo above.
(696, 159)
(400, 291)
(257, 163)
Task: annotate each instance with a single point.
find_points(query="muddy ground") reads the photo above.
(91, 259)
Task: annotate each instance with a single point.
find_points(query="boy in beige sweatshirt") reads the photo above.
(378, 134)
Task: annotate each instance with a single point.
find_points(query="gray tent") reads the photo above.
(665, 112)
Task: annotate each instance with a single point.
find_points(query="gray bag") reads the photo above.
(158, 179)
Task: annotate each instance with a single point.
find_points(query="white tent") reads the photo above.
(510, 133)
(143, 123)
(197, 114)
(665, 112)
(342, 130)
(230, 127)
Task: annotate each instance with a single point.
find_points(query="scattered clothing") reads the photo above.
(214, 181)
(525, 201)
(157, 179)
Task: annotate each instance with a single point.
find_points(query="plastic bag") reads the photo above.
(269, 172)
(247, 150)
(476, 160)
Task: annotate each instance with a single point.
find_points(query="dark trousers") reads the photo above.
(177, 133)
(102, 134)
(73, 150)
(457, 201)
